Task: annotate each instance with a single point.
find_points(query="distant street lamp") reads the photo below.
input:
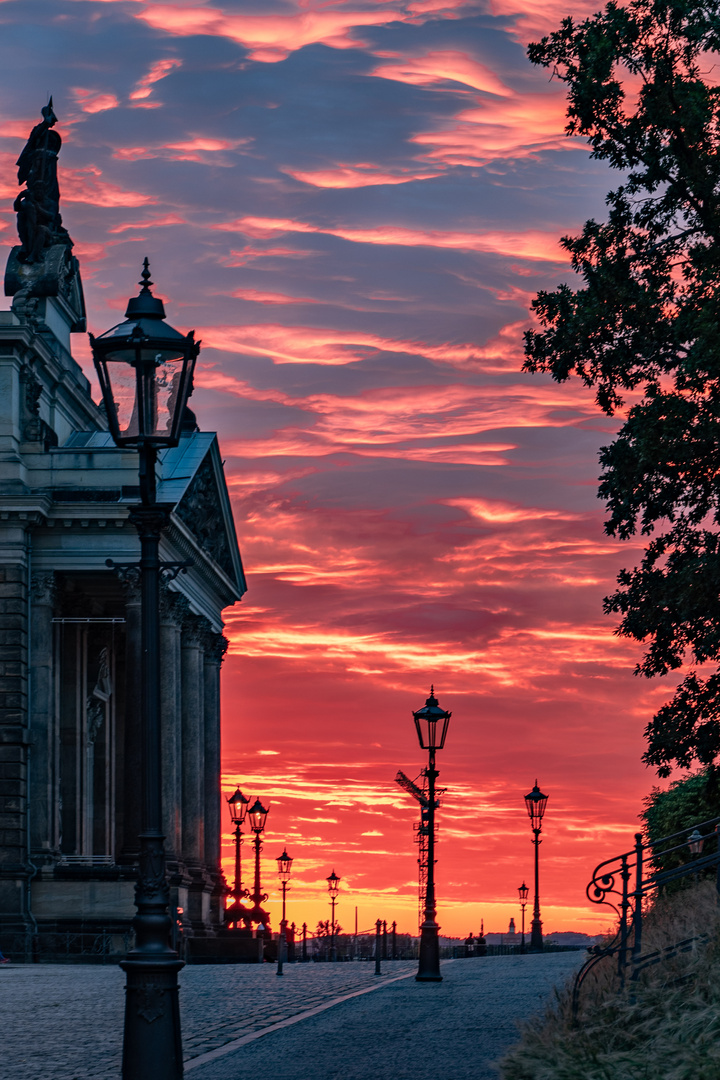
(431, 723)
(333, 888)
(536, 802)
(523, 894)
(238, 805)
(145, 370)
(257, 816)
(284, 862)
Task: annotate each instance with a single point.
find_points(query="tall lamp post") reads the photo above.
(333, 888)
(257, 816)
(523, 894)
(145, 370)
(284, 862)
(536, 802)
(238, 805)
(431, 723)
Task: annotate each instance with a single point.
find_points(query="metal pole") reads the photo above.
(281, 948)
(522, 938)
(238, 868)
(394, 940)
(536, 936)
(637, 909)
(378, 924)
(152, 1046)
(429, 962)
(332, 930)
(257, 895)
(304, 947)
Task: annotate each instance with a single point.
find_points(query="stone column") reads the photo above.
(173, 609)
(193, 741)
(44, 756)
(215, 648)
(129, 809)
(14, 735)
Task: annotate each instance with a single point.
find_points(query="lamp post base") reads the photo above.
(152, 1048)
(429, 963)
(536, 936)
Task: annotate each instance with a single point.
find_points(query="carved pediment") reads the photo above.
(201, 510)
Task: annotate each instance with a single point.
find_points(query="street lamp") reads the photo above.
(431, 723)
(284, 862)
(695, 842)
(257, 816)
(333, 888)
(523, 894)
(238, 805)
(145, 370)
(536, 802)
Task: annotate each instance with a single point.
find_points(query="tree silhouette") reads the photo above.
(644, 331)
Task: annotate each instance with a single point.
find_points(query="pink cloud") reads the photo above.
(528, 244)
(319, 345)
(250, 254)
(520, 126)
(196, 148)
(85, 186)
(257, 296)
(269, 38)
(355, 176)
(149, 223)
(94, 101)
(159, 70)
(415, 423)
(436, 68)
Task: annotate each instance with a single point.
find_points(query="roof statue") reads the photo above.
(43, 265)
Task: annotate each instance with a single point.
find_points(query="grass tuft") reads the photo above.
(664, 1025)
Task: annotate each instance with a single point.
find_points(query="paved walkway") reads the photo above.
(65, 1022)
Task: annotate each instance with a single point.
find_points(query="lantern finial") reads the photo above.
(146, 282)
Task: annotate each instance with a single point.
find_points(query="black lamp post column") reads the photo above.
(333, 887)
(257, 816)
(535, 803)
(152, 1047)
(145, 370)
(284, 862)
(523, 894)
(431, 723)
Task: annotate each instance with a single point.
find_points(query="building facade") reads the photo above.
(70, 628)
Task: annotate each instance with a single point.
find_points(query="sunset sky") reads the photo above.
(353, 203)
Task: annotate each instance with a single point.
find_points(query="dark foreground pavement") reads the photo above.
(404, 1030)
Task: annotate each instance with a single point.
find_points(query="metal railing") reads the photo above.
(622, 883)
(62, 947)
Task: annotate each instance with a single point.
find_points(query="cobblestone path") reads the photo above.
(64, 1022)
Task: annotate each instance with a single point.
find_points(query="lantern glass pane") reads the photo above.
(122, 384)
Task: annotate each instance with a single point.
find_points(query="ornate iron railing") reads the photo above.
(623, 881)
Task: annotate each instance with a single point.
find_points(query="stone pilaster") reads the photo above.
(174, 608)
(195, 629)
(129, 810)
(215, 648)
(44, 755)
(14, 734)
